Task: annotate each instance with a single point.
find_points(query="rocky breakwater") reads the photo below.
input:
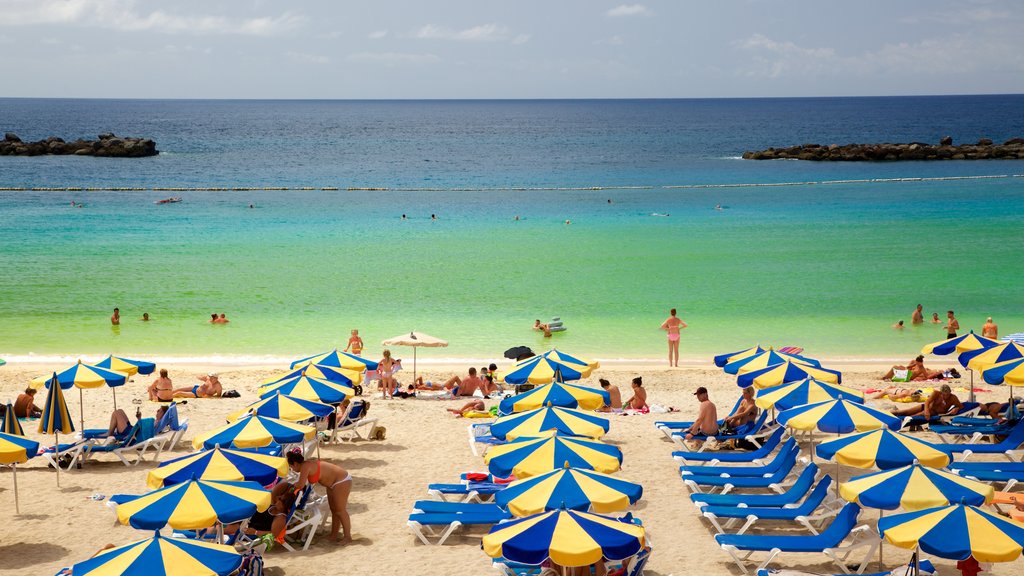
(985, 149)
(107, 145)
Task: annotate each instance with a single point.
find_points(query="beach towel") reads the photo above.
(476, 414)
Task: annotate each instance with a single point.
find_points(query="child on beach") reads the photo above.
(355, 343)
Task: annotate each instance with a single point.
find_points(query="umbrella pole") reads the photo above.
(114, 390)
(14, 474)
(81, 409)
(881, 544)
(414, 365)
(56, 448)
(971, 395)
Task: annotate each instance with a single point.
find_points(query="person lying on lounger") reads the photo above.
(471, 406)
(942, 401)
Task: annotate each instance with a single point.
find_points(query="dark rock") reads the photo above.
(985, 142)
(11, 137)
(108, 145)
(106, 136)
(946, 141)
(889, 152)
(1010, 142)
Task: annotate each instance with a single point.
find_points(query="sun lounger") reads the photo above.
(480, 433)
(741, 547)
(1012, 473)
(441, 525)
(352, 420)
(819, 505)
(926, 567)
(465, 491)
(636, 565)
(304, 519)
(967, 409)
(670, 426)
(743, 469)
(71, 451)
(753, 432)
(957, 434)
(796, 492)
(1009, 446)
(713, 458)
(775, 481)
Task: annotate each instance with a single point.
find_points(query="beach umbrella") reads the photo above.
(914, 487)
(341, 376)
(55, 418)
(838, 417)
(219, 464)
(564, 420)
(1017, 337)
(566, 537)
(965, 343)
(984, 357)
(556, 394)
(309, 388)
(955, 532)
(549, 367)
(765, 359)
(1010, 373)
(253, 432)
(722, 359)
(193, 505)
(11, 424)
(528, 456)
(415, 340)
(882, 449)
(337, 359)
(583, 490)
(284, 407)
(126, 365)
(806, 391)
(83, 376)
(159, 556)
(15, 449)
(787, 371)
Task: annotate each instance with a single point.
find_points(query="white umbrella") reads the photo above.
(415, 340)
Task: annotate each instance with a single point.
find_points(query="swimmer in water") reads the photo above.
(718, 206)
(433, 216)
(403, 217)
(567, 222)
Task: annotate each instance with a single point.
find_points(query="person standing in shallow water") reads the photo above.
(115, 318)
(673, 324)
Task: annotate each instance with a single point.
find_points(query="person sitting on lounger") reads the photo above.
(338, 482)
(706, 423)
(613, 394)
(747, 411)
(942, 401)
(210, 388)
(471, 406)
(638, 401)
(161, 389)
(25, 406)
(119, 425)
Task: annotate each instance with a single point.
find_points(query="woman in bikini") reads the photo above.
(338, 482)
(385, 369)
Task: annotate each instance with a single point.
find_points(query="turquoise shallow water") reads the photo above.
(827, 267)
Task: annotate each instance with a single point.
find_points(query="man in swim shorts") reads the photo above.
(941, 402)
(917, 316)
(951, 325)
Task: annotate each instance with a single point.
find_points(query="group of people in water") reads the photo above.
(989, 329)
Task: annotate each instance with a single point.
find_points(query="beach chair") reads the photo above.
(304, 519)
(465, 491)
(670, 426)
(742, 546)
(970, 433)
(1012, 473)
(134, 443)
(775, 480)
(815, 509)
(352, 420)
(753, 432)
(71, 451)
(743, 469)
(480, 433)
(1010, 447)
(796, 492)
(925, 566)
(713, 458)
(439, 520)
(967, 409)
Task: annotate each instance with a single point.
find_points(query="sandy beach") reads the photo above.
(59, 526)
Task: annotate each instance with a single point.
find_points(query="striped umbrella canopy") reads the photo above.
(126, 365)
(566, 537)
(15, 449)
(55, 418)
(1010, 373)
(838, 417)
(556, 394)
(550, 366)
(722, 359)
(1017, 337)
(309, 388)
(784, 372)
(193, 505)
(284, 407)
(914, 487)
(583, 490)
(219, 464)
(956, 532)
(159, 556)
(765, 359)
(806, 391)
(960, 344)
(84, 376)
(528, 456)
(341, 376)
(883, 449)
(565, 420)
(254, 431)
(337, 359)
(984, 357)
(11, 424)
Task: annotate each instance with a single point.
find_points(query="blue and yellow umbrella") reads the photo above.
(956, 532)
(765, 359)
(284, 407)
(838, 417)
(566, 537)
(555, 394)
(807, 391)
(15, 449)
(219, 464)
(583, 490)
(337, 359)
(11, 424)
(126, 365)
(55, 418)
(882, 449)
(983, 358)
(309, 388)
(785, 372)
(159, 556)
(193, 505)
(960, 344)
(254, 432)
(1010, 373)
(528, 456)
(564, 420)
(914, 487)
(550, 366)
(341, 376)
(722, 359)
(83, 376)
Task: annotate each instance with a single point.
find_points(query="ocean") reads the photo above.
(826, 256)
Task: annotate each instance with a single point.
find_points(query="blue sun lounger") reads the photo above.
(438, 520)
(465, 491)
(753, 457)
(800, 488)
(1012, 473)
(753, 432)
(670, 426)
(816, 508)
(1009, 446)
(743, 469)
(926, 567)
(774, 481)
(742, 546)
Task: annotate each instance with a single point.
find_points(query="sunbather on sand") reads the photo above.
(942, 401)
(915, 367)
(338, 482)
(613, 394)
(746, 412)
(161, 390)
(471, 406)
(25, 406)
(422, 385)
(638, 401)
(466, 386)
(895, 393)
(210, 388)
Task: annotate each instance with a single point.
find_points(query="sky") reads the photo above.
(410, 49)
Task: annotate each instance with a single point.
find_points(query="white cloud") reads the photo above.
(481, 33)
(393, 58)
(628, 10)
(124, 15)
(308, 58)
(377, 34)
(773, 58)
(521, 39)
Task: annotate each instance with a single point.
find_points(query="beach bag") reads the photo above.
(231, 394)
(901, 375)
(378, 432)
(252, 564)
(358, 389)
